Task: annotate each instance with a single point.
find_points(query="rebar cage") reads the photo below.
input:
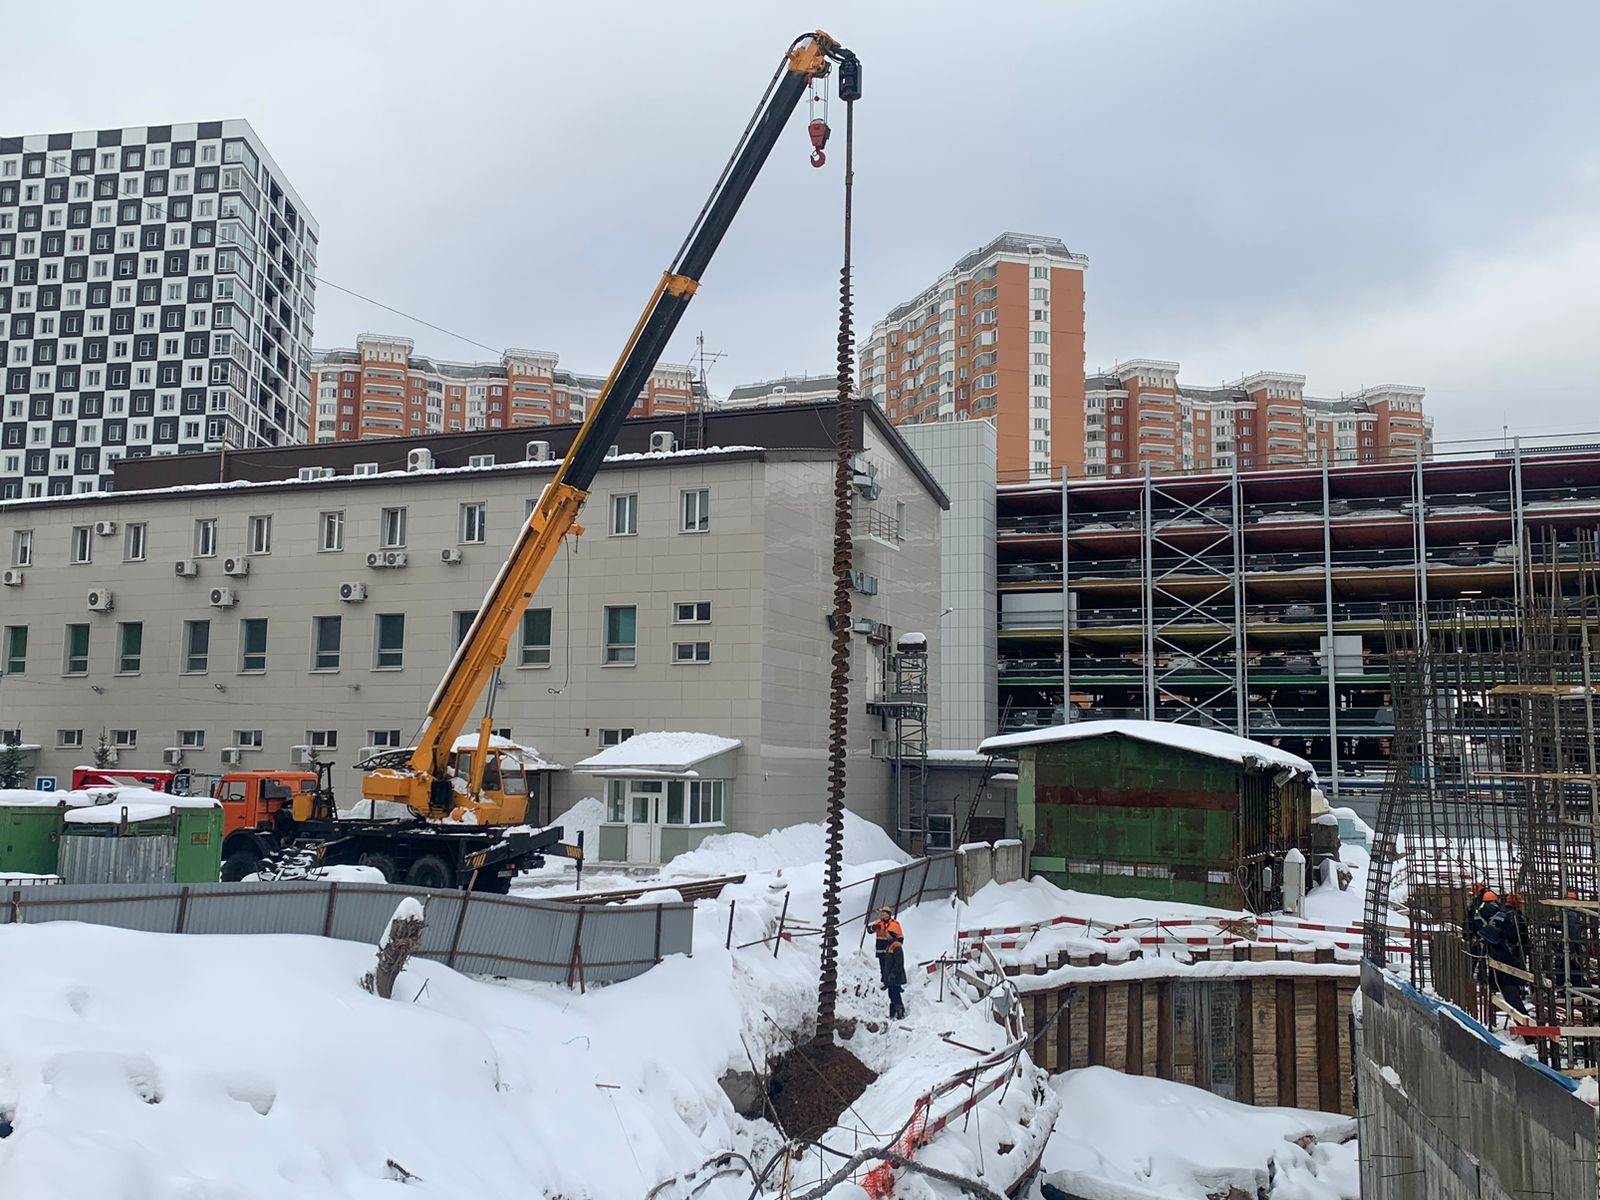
(1493, 783)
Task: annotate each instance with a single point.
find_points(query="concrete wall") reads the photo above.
(1447, 1115)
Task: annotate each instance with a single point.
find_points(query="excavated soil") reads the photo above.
(810, 1086)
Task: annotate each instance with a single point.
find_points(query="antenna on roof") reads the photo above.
(694, 421)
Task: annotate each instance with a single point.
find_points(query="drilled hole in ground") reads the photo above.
(811, 1086)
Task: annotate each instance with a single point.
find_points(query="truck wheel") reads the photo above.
(430, 871)
(239, 864)
(383, 862)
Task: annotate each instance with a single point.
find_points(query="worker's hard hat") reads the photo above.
(886, 909)
(1479, 889)
(1514, 899)
(1489, 895)
(1572, 893)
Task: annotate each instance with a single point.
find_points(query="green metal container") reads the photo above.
(199, 851)
(30, 838)
(156, 844)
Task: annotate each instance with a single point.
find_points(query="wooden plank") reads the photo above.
(1306, 1089)
(1152, 1024)
(1078, 1031)
(1133, 1015)
(1164, 1055)
(1284, 1036)
(1097, 1025)
(1183, 1040)
(1328, 1079)
(1347, 1083)
(1244, 1043)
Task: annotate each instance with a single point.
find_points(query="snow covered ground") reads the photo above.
(148, 1067)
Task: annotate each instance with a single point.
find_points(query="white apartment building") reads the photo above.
(317, 602)
(157, 290)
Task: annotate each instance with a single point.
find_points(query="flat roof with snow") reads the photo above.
(1213, 743)
(658, 753)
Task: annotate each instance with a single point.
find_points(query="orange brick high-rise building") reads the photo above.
(382, 388)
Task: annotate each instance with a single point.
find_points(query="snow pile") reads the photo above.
(660, 751)
(1205, 1145)
(378, 810)
(528, 756)
(583, 817)
(28, 798)
(108, 806)
(1213, 743)
(740, 853)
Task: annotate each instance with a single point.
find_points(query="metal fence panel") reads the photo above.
(90, 859)
(480, 934)
(915, 881)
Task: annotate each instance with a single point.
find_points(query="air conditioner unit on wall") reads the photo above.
(100, 600)
(387, 558)
(450, 556)
(172, 756)
(662, 442)
(231, 756)
(237, 567)
(223, 597)
(352, 593)
(105, 528)
(301, 756)
(186, 568)
(420, 459)
(538, 452)
(13, 578)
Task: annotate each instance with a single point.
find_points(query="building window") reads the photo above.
(130, 647)
(332, 524)
(461, 625)
(134, 550)
(691, 652)
(535, 638)
(248, 739)
(473, 517)
(76, 659)
(389, 641)
(191, 739)
(125, 739)
(625, 514)
(326, 635)
(82, 543)
(16, 660)
(614, 737)
(69, 739)
(392, 525)
(692, 612)
(205, 538)
(705, 802)
(22, 548)
(697, 510)
(322, 739)
(383, 739)
(196, 646)
(260, 535)
(253, 644)
(622, 632)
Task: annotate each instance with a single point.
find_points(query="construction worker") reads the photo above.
(1479, 916)
(895, 975)
(886, 931)
(1472, 926)
(1506, 936)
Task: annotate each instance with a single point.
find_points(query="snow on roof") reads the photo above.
(139, 804)
(528, 756)
(913, 639)
(1213, 743)
(659, 752)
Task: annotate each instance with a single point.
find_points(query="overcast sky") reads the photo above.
(1362, 192)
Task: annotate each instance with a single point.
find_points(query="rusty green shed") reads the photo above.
(1160, 811)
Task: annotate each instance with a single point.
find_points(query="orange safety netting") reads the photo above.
(879, 1182)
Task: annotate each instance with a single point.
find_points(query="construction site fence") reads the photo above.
(473, 932)
(913, 882)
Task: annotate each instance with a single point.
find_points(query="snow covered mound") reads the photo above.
(1161, 1140)
(583, 817)
(740, 853)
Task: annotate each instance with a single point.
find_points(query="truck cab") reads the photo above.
(258, 809)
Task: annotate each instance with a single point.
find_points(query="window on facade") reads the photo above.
(697, 510)
(473, 518)
(322, 739)
(16, 650)
(205, 537)
(332, 525)
(614, 737)
(261, 535)
(134, 549)
(692, 612)
(383, 739)
(130, 647)
(191, 739)
(691, 652)
(327, 634)
(389, 641)
(253, 644)
(392, 528)
(82, 543)
(22, 548)
(125, 739)
(76, 659)
(535, 648)
(705, 802)
(248, 739)
(625, 514)
(196, 646)
(69, 739)
(622, 632)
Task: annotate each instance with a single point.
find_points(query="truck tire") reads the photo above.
(239, 864)
(383, 862)
(431, 871)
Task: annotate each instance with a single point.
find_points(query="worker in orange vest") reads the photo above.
(886, 932)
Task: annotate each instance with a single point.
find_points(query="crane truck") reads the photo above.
(467, 827)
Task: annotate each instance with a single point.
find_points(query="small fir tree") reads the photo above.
(102, 751)
(11, 765)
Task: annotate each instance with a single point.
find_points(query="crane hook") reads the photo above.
(819, 132)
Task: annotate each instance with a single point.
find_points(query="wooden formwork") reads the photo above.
(1272, 1027)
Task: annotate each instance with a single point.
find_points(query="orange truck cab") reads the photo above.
(257, 806)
